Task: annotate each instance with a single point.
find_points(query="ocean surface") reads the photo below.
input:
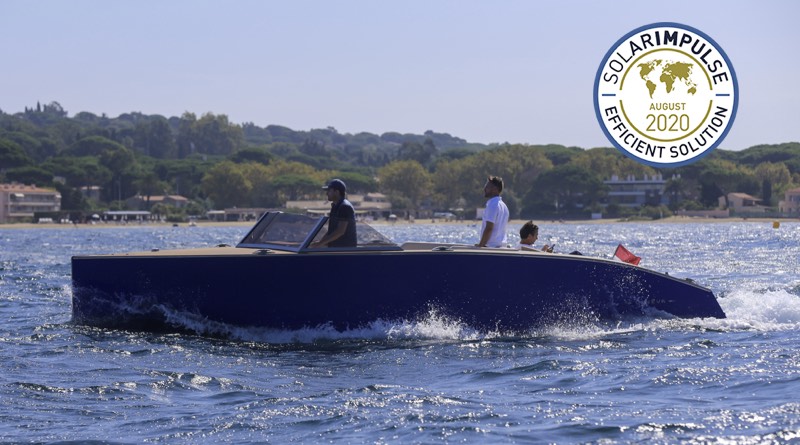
(432, 380)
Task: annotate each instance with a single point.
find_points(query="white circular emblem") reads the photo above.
(666, 94)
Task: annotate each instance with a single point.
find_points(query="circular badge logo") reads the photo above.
(666, 94)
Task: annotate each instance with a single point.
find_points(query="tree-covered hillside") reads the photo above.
(217, 163)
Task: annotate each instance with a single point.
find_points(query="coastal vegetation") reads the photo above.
(217, 164)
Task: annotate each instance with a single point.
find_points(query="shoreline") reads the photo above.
(513, 222)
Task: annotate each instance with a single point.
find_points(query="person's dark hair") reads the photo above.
(497, 181)
(528, 228)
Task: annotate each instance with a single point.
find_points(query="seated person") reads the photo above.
(342, 219)
(528, 234)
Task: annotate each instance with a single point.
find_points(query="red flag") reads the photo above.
(622, 254)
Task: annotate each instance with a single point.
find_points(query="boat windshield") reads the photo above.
(288, 231)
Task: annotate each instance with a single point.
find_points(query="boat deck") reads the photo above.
(247, 251)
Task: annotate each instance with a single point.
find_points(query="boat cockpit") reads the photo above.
(295, 233)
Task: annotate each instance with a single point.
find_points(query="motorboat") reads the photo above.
(275, 278)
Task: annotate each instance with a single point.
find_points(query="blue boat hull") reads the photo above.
(346, 290)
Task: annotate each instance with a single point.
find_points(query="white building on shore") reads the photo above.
(790, 205)
(636, 192)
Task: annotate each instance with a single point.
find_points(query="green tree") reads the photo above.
(262, 192)
(252, 154)
(12, 155)
(720, 177)
(775, 178)
(160, 209)
(448, 190)
(455, 154)
(357, 182)
(94, 146)
(567, 190)
(607, 162)
(292, 187)
(286, 180)
(153, 137)
(414, 151)
(71, 198)
(463, 179)
(185, 140)
(787, 153)
(211, 134)
(679, 190)
(30, 174)
(227, 185)
(314, 148)
(148, 184)
(216, 135)
(559, 154)
(79, 171)
(185, 176)
(118, 161)
(122, 164)
(407, 179)
(33, 147)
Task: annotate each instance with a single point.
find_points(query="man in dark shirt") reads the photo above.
(342, 220)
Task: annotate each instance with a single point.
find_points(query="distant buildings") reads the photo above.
(141, 202)
(92, 192)
(790, 206)
(126, 216)
(374, 205)
(237, 214)
(651, 191)
(633, 192)
(19, 202)
(741, 203)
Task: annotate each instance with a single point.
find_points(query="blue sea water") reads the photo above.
(432, 380)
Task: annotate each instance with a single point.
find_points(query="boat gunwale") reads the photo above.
(435, 249)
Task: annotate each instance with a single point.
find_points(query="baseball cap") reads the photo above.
(336, 184)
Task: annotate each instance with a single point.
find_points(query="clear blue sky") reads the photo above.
(486, 71)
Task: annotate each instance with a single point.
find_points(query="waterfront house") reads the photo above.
(19, 202)
(790, 205)
(741, 203)
(634, 192)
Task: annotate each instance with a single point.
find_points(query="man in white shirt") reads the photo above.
(495, 217)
